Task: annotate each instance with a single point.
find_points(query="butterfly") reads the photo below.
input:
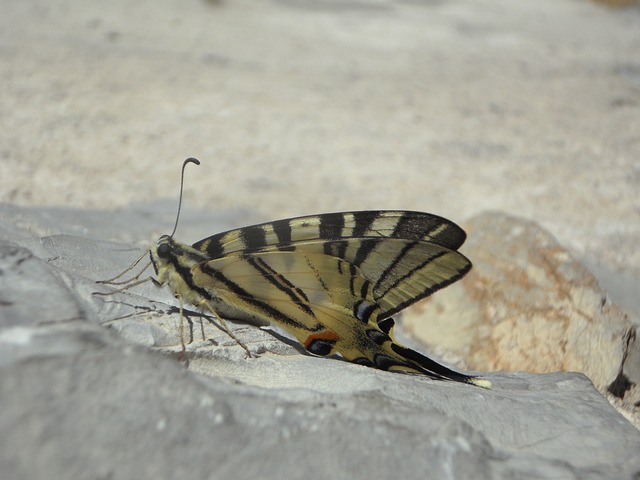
(334, 280)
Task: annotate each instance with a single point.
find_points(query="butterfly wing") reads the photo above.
(405, 255)
(327, 302)
(333, 280)
(335, 226)
(304, 294)
(401, 271)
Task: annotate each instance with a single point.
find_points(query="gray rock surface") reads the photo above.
(84, 394)
(294, 106)
(531, 108)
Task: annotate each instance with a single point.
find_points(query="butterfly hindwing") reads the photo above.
(324, 301)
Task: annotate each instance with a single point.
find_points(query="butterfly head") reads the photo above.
(165, 247)
(164, 253)
(169, 254)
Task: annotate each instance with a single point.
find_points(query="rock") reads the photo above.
(84, 394)
(529, 305)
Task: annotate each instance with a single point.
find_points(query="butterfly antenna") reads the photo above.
(188, 160)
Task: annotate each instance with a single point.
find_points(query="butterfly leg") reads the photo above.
(112, 281)
(223, 324)
(184, 348)
(134, 283)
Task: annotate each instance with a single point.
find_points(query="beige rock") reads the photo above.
(528, 304)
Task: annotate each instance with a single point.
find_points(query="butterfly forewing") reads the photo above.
(405, 255)
(334, 226)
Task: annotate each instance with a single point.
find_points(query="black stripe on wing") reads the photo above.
(330, 228)
(397, 307)
(268, 311)
(279, 281)
(363, 222)
(253, 237)
(331, 225)
(367, 245)
(282, 229)
(428, 227)
(393, 264)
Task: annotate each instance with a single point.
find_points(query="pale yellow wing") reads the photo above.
(324, 301)
(406, 256)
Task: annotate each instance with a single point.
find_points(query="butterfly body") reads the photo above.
(333, 281)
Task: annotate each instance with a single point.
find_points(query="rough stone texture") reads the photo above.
(453, 107)
(539, 308)
(85, 396)
(529, 305)
(297, 106)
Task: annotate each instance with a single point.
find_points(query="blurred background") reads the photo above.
(298, 106)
